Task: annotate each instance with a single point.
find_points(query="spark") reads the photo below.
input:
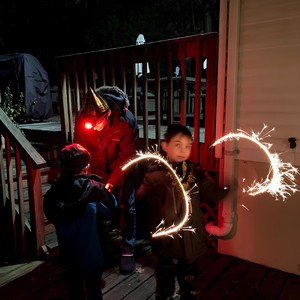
(161, 231)
(280, 180)
(244, 206)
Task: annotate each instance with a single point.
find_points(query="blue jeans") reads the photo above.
(129, 230)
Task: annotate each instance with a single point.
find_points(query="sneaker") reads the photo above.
(127, 262)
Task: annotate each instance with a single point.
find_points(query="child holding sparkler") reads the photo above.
(177, 255)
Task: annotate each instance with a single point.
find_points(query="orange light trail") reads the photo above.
(161, 231)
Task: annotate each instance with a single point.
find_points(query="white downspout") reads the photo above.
(226, 207)
(228, 52)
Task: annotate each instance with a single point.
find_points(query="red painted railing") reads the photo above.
(177, 83)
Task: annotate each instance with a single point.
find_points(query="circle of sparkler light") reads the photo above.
(281, 183)
(174, 228)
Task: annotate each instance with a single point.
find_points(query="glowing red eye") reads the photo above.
(88, 125)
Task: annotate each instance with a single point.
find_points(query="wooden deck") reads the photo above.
(223, 277)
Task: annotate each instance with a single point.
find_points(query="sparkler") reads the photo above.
(281, 183)
(161, 231)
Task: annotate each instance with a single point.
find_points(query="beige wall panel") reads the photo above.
(269, 76)
(268, 10)
(265, 89)
(267, 229)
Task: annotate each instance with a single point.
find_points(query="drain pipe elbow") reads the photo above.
(225, 228)
(222, 230)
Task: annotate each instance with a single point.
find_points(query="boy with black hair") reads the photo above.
(177, 256)
(77, 204)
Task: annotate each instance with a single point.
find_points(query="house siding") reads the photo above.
(262, 87)
(269, 74)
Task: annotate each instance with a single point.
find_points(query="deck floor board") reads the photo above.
(224, 277)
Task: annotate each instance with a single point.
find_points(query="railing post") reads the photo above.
(36, 208)
(17, 235)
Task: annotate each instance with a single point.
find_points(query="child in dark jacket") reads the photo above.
(77, 203)
(177, 256)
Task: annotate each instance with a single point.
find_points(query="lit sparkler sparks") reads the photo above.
(281, 183)
(161, 231)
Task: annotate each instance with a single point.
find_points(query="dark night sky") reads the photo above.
(48, 28)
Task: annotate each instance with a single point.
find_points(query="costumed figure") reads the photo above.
(113, 139)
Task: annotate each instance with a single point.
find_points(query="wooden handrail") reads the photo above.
(22, 220)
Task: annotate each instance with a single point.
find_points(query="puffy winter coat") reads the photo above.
(76, 206)
(159, 198)
(110, 148)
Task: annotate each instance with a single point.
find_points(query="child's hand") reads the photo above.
(109, 187)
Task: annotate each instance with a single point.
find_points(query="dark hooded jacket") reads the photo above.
(159, 198)
(76, 206)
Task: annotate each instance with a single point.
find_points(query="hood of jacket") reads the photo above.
(68, 196)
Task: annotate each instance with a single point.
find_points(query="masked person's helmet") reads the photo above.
(95, 108)
(95, 105)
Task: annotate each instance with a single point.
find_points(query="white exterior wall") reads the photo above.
(261, 64)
